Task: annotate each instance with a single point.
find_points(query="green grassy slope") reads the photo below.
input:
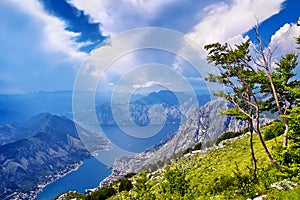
(222, 173)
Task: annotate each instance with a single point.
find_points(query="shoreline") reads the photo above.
(115, 175)
(57, 176)
(34, 193)
(77, 166)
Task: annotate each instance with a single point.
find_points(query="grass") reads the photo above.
(215, 175)
(222, 173)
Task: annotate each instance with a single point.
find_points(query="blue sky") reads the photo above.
(44, 43)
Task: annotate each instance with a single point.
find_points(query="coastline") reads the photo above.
(34, 194)
(115, 175)
(59, 175)
(88, 176)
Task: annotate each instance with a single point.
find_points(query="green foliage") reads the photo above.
(175, 182)
(73, 195)
(273, 130)
(103, 193)
(188, 150)
(239, 184)
(198, 146)
(221, 184)
(293, 194)
(230, 134)
(235, 112)
(210, 175)
(244, 183)
(141, 188)
(222, 173)
(291, 156)
(227, 135)
(235, 73)
(125, 185)
(129, 175)
(294, 117)
(283, 78)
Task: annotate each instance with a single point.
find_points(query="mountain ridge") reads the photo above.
(29, 163)
(205, 124)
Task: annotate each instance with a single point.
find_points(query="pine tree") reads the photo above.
(274, 80)
(237, 74)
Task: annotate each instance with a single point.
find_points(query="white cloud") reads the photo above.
(226, 22)
(36, 52)
(145, 85)
(120, 15)
(210, 22)
(283, 39)
(55, 36)
(222, 21)
(196, 79)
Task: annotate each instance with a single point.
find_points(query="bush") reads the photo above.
(220, 184)
(188, 150)
(241, 184)
(125, 184)
(129, 175)
(176, 183)
(198, 146)
(273, 130)
(103, 193)
(229, 135)
(244, 184)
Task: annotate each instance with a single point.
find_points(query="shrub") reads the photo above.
(188, 150)
(198, 146)
(273, 130)
(220, 184)
(129, 175)
(176, 183)
(228, 135)
(103, 193)
(241, 184)
(244, 184)
(125, 184)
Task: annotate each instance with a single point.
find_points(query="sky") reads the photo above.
(44, 44)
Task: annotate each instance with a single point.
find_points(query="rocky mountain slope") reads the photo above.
(12, 132)
(53, 149)
(160, 107)
(205, 124)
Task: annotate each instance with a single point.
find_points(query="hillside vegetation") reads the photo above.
(224, 172)
(251, 165)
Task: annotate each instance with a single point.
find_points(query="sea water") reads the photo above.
(92, 171)
(88, 176)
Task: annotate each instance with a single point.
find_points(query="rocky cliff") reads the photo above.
(205, 124)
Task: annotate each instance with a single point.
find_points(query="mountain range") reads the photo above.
(21, 107)
(204, 125)
(50, 148)
(37, 151)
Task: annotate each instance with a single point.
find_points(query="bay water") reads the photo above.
(88, 176)
(92, 171)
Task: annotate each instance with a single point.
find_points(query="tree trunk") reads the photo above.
(285, 140)
(250, 126)
(265, 146)
(285, 135)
